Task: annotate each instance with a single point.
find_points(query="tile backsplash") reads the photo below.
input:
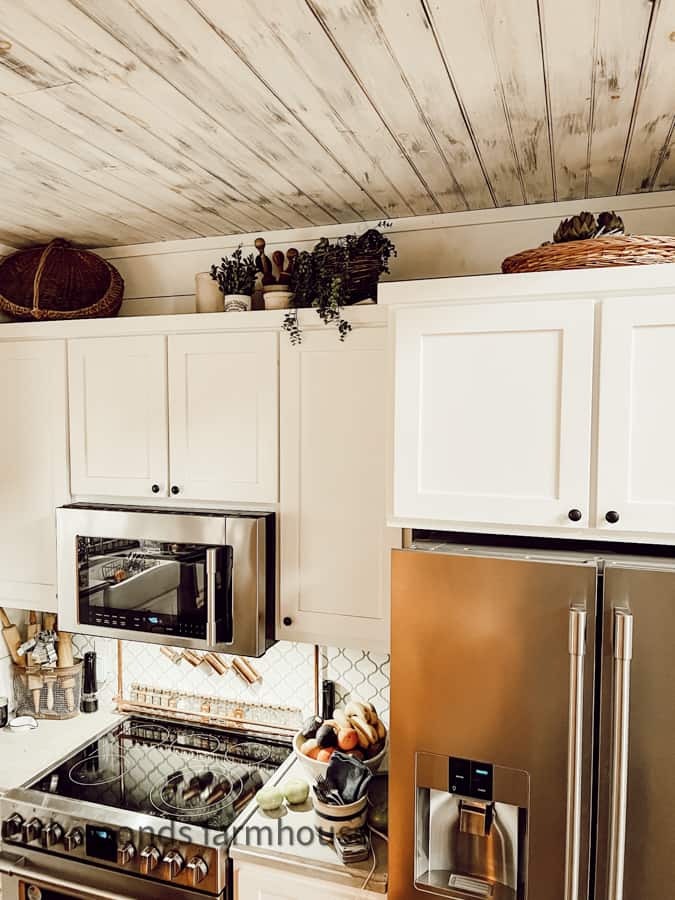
(287, 671)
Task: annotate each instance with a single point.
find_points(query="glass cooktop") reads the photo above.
(201, 776)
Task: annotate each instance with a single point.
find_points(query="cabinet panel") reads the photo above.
(118, 416)
(334, 543)
(34, 466)
(223, 401)
(493, 413)
(636, 476)
(262, 883)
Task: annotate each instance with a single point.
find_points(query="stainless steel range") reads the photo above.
(147, 803)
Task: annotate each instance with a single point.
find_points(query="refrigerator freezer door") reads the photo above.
(636, 834)
(485, 666)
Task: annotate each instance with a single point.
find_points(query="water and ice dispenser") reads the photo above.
(471, 828)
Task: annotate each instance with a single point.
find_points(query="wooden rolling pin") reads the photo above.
(32, 631)
(12, 638)
(64, 649)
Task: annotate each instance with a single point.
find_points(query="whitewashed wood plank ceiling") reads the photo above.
(126, 121)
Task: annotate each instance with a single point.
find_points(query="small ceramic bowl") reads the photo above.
(330, 819)
(316, 769)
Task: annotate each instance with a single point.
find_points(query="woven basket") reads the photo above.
(619, 250)
(58, 281)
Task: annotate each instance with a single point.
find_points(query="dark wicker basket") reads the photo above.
(58, 281)
(618, 250)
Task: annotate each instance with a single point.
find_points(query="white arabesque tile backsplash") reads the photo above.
(287, 671)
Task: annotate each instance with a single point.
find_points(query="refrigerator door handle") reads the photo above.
(577, 651)
(623, 653)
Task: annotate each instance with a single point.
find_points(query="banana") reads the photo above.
(373, 717)
(367, 734)
(341, 718)
(354, 708)
(381, 730)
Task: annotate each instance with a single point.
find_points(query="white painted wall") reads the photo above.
(17, 617)
(159, 278)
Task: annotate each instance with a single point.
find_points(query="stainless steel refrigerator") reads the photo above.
(533, 725)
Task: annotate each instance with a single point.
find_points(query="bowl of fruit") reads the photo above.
(356, 730)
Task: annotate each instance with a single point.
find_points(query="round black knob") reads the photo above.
(175, 489)
(612, 516)
(574, 514)
(155, 489)
(288, 620)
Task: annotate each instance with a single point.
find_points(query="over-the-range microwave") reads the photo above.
(203, 580)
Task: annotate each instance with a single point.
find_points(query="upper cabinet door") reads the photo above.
(118, 416)
(34, 465)
(223, 400)
(335, 547)
(636, 451)
(492, 417)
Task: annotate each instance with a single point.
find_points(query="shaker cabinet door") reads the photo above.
(118, 416)
(34, 466)
(334, 543)
(223, 414)
(636, 435)
(492, 413)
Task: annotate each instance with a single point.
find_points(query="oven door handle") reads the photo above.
(18, 869)
(211, 585)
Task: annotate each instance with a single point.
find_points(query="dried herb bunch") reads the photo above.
(336, 274)
(236, 273)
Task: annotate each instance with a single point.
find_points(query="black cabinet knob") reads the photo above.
(175, 489)
(612, 516)
(574, 514)
(155, 489)
(287, 620)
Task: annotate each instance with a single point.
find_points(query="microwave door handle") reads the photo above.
(623, 653)
(211, 572)
(577, 652)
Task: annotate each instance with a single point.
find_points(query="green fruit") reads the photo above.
(296, 791)
(269, 798)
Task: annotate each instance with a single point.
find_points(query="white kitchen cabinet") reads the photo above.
(196, 419)
(492, 413)
(118, 416)
(223, 415)
(334, 543)
(253, 882)
(636, 432)
(33, 470)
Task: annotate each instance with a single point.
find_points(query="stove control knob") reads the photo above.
(197, 870)
(31, 830)
(51, 834)
(149, 859)
(125, 853)
(73, 839)
(12, 827)
(173, 864)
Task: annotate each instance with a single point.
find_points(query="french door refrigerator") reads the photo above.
(533, 725)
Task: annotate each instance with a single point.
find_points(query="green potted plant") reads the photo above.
(236, 279)
(335, 274)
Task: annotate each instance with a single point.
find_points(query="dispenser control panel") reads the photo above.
(471, 778)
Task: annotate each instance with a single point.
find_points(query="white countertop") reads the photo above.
(271, 839)
(25, 754)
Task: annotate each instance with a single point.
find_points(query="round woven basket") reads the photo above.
(617, 250)
(58, 281)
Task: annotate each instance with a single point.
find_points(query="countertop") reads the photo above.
(25, 754)
(274, 839)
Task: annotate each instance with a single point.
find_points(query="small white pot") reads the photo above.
(237, 302)
(208, 296)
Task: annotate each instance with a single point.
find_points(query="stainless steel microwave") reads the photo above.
(203, 580)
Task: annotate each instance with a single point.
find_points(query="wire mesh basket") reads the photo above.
(48, 693)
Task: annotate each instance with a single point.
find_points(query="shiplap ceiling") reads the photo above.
(125, 121)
